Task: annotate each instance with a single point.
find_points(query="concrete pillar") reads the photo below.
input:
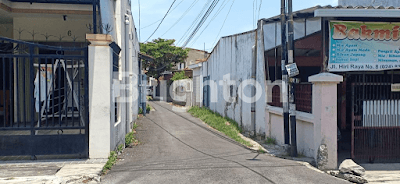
(324, 107)
(100, 81)
(163, 90)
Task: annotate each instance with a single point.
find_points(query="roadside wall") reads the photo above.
(304, 129)
(197, 82)
(312, 130)
(182, 92)
(118, 101)
(229, 64)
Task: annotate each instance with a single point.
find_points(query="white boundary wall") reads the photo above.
(106, 131)
(230, 63)
(316, 129)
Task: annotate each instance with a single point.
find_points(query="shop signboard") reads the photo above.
(363, 46)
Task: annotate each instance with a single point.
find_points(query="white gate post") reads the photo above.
(100, 81)
(324, 109)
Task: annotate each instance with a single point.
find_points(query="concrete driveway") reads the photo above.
(178, 148)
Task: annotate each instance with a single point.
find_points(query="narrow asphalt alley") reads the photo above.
(178, 148)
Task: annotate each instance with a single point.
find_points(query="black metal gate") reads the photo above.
(375, 116)
(44, 99)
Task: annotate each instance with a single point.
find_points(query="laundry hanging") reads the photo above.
(41, 88)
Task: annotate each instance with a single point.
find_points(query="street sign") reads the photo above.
(292, 70)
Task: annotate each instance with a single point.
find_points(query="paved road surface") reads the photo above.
(178, 148)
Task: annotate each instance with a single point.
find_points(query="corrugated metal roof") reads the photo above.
(309, 12)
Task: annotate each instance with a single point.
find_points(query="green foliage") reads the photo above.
(112, 159)
(179, 76)
(165, 55)
(261, 150)
(120, 148)
(129, 138)
(140, 110)
(225, 125)
(148, 108)
(270, 140)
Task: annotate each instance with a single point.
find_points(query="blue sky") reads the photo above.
(240, 18)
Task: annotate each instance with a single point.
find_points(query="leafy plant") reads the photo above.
(225, 125)
(261, 150)
(112, 159)
(148, 108)
(140, 110)
(129, 139)
(179, 76)
(270, 140)
(120, 148)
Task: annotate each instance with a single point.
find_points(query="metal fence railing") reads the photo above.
(303, 97)
(44, 104)
(375, 116)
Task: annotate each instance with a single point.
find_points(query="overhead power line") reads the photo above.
(224, 3)
(139, 19)
(151, 24)
(254, 10)
(161, 20)
(194, 22)
(216, 38)
(259, 10)
(180, 18)
(204, 18)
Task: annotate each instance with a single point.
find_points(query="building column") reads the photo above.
(100, 98)
(324, 108)
(163, 90)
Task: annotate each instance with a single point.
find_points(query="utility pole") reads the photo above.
(284, 88)
(292, 82)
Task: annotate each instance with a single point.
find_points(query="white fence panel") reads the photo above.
(381, 113)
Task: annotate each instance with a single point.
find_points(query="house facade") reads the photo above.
(52, 83)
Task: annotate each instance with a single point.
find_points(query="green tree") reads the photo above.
(165, 55)
(179, 75)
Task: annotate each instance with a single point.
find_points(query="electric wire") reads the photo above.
(151, 24)
(206, 15)
(180, 18)
(216, 38)
(139, 19)
(259, 10)
(161, 20)
(212, 19)
(194, 22)
(253, 11)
